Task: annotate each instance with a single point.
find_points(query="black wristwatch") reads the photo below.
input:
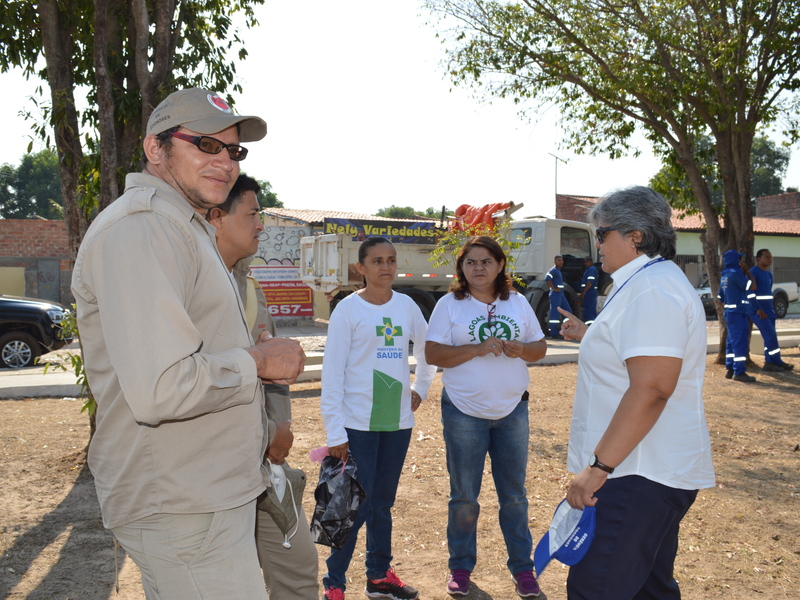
(596, 464)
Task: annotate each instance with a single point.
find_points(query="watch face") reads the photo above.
(593, 461)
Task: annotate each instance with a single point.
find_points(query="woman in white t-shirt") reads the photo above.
(368, 404)
(638, 440)
(483, 333)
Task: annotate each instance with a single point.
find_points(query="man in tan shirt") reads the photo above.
(181, 428)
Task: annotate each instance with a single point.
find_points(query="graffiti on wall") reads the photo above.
(280, 245)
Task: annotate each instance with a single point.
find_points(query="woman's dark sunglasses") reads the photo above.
(211, 145)
(602, 231)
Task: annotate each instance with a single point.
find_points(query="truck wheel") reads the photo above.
(423, 299)
(543, 314)
(18, 349)
(781, 305)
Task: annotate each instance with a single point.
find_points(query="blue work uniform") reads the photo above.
(735, 296)
(557, 299)
(763, 301)
(590, 278)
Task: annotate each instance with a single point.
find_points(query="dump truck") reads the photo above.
(327, 261)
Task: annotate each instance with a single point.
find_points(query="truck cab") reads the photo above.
(542, 239)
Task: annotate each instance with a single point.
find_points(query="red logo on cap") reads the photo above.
(219, 103)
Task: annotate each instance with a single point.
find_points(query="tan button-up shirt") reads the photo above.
(180, 418)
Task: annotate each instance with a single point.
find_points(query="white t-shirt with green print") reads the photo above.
(487, 387)
(366, 382)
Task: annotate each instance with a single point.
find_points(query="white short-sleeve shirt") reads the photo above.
(487, 387)
(652, 311)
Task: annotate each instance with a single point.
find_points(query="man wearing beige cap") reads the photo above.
(181, 429)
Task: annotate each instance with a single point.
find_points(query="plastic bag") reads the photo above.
(338, 496)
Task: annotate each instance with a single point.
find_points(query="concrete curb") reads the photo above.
(34, 383)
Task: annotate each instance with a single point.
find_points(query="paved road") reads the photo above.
(33, 382)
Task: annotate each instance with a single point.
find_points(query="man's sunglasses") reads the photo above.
(211, 145)
(602, 231)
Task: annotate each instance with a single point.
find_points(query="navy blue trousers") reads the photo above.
(633, 552)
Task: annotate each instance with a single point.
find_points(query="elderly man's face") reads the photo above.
(203, 179)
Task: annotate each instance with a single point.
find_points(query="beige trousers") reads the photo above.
(209, 556)
(290, 573)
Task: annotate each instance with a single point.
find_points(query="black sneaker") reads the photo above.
(744, 378)
(729, 374)
(772, 368)
(390, 587)
(786, 366)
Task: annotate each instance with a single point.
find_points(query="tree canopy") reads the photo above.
(407, 212)
(676, 69)
(124, 57)
(768, 164)
(266, 197)
(32, 189)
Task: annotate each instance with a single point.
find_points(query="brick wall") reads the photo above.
(573, 208)
(35, 246)
(780, 206)
(34, 239)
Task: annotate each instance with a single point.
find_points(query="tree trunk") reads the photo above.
(56, 41)
(109, 159)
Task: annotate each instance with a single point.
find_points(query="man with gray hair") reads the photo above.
(181, 428)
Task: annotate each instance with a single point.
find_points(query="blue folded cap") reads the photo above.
(568, 539)
(733, 254)
(731, 258)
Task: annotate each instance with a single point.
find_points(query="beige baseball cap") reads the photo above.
(204, 112)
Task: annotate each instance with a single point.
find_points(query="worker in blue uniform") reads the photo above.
(557, 296)
(589, 291)
(736, 295)
(765, 313)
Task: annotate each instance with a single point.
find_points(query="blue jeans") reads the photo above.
(467, 441)
(636, 540)
(379, 459)
(557, 299)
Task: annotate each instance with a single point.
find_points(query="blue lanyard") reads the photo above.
(642, 268)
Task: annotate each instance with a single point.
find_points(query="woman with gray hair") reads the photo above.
(639, 442)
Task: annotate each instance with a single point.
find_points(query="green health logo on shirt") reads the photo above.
(503, 328)
(388, 331)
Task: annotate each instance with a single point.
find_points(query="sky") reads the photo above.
(361, 116)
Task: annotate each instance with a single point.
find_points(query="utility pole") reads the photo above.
(563, 161)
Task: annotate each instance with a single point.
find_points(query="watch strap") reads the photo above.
(595, 463)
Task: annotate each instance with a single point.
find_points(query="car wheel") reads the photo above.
(18, 350)
(781, 306)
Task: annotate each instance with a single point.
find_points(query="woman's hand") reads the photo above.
(513, 348)
(581, 491)
(572, 328)
(490, 345)
(416, 400)
(339, 451)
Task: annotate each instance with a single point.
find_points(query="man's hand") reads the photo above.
(761, 314)
(280, 444)
(278, 360)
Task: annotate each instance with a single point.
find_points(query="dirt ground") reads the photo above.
(741, 540)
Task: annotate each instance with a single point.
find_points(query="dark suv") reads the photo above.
(29, 328)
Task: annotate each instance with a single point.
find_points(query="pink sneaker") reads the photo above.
(458, 582)
(527, 587)
(334, 593)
